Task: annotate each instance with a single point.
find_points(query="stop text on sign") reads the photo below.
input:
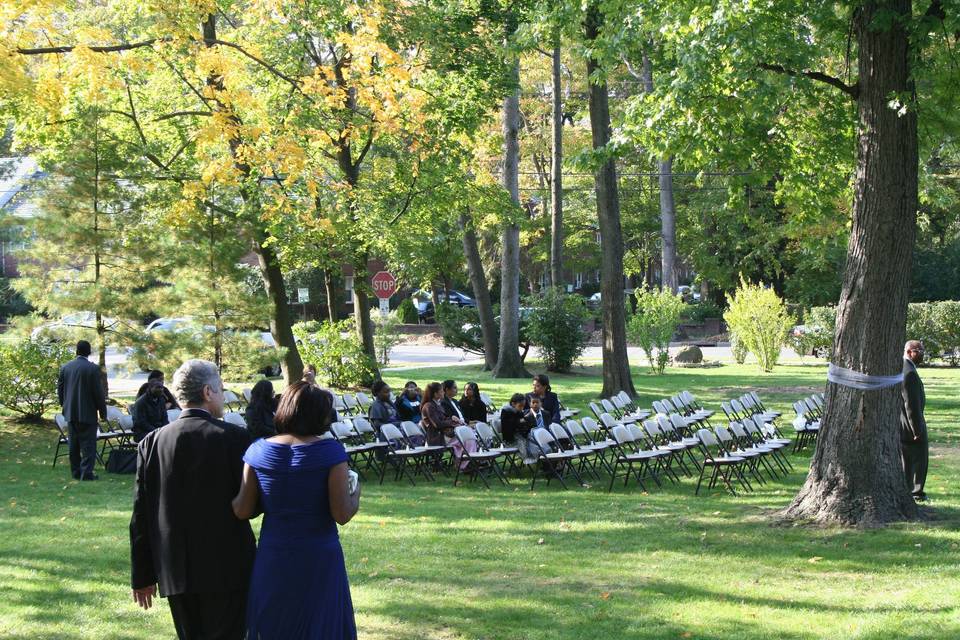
(384, 284)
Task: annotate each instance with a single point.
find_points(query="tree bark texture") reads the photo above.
(481, 293)
(668, 227)
(332, 293)
(616, 364)
(556, 176)
(855, 476)
(509, 364)
(270, 272)
(361, 306)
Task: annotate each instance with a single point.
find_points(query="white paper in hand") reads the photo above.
(353, 481)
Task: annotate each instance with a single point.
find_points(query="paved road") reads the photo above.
(123, 382)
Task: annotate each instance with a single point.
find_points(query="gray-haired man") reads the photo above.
(183, 533)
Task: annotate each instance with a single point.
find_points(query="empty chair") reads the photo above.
(724, 467)
(479, 462)
(350, 403)
(235, 418)
(363, 401)
(730, 447)
(230, 399)
(634, 462)
(402, 457)
(554, 464)
(63, 439)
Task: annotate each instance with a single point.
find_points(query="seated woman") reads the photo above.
(259, 413)
(436, 423)
(299, 587)
(382, 411)
(408, 403)
(516, 427)
(473, 408)
(548, 399)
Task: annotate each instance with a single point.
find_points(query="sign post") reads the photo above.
(384, 285)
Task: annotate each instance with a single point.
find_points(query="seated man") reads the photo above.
(156, 374)
(149, 412)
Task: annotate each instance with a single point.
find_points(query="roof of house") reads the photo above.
(18, 180)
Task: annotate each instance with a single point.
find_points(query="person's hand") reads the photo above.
(144, 597)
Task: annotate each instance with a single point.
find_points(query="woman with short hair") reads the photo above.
(299, 587)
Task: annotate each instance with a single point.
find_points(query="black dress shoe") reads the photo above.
(91, 476)
(920, 497)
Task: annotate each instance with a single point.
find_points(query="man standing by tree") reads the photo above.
(81, 396)
(914, 449)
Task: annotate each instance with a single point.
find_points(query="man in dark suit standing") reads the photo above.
(183, 533)
(914, 449)
(80, 391)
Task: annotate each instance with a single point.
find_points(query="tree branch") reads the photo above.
(851, 90)
(177, 114)
(127, 46)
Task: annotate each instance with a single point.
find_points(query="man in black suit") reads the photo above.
(80, 391)
(914, 449)
(183, 533)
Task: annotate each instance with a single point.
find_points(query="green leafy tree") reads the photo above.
(554, 324)
(28, 377)
(654, 323)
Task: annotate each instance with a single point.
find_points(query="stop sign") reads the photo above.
(384, 285)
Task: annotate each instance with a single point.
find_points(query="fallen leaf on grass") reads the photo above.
(605, 595)
(540, 541)
(814, 559)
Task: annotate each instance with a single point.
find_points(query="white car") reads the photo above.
(78, 320)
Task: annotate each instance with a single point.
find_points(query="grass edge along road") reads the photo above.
(440, 562)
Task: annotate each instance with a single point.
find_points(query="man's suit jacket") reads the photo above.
(450, 408)
(913, 426)
(80, 391)
(183, 533)
(546, 415)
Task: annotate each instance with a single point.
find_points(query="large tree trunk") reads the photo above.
(556, 175)
(481, 293)
(509, 364)
(855, 476)
(668, 227)
(616, 365)
(668, 214)
(281, 324)
(270, 272)
(361, 306)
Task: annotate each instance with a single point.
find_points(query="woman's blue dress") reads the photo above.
(299, 587)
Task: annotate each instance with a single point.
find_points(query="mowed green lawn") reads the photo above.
(438, 561)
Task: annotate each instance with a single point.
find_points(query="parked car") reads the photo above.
(593, 302)
(78, 320)
(424, 303)
(688, 293)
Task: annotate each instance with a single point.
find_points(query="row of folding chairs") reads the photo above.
(114, 432)
(806, 423)
(741, 453)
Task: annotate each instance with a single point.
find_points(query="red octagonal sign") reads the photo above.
(384, 285)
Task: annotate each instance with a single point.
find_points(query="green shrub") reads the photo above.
(759, 319)
(337, 352)
(386, 336)
(28, 376)
(243, 354)
(460, 329)
(407, 312)
(948, 328)
(739, 350)
(816, 337)
(554, 323)
(697, 312)
(652, 326)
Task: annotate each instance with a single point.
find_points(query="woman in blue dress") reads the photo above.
(299, 585)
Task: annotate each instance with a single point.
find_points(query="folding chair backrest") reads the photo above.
(608, 420)
(677, 422)
(800, 423)
(664, 423)
(487, 400)
(558, 432)
(818, 399)
(723, 434)
(625, 397)
(590, 424)
(362, 425)
(727, 409)
(340, 430)
(235, 418)
(658, 406)
(799, 408)
(652, 429)
(543, 438)
(409, 428)
(576, 430)
(172, 414)
(465, 434)
(756, 399)
(391, 433)
(113, 414)
(363, 399)
(126, 423)
(61, 422)
(738, 429)
(247, 394)
(620, 434)
(607, 406)
(485, 434)
(747, 402)
(811, 405)
(619, 403)
(737, 406)
(676, 404)
(230, 397)
(637, 433)
(706, 437)
(688, 398)
(350, 401)
(338, 403)
(495, 424)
